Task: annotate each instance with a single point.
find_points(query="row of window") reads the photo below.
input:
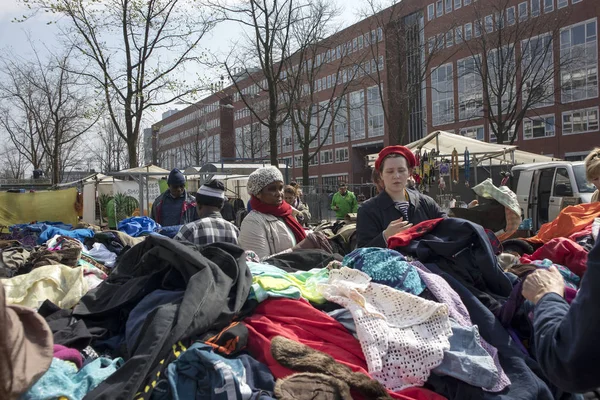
(203, 151)
(578, 75)
(440, 7)
(198, 130)
(324, 157)
(573, 122)
(193, 116)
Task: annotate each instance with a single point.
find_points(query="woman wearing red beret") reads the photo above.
(396, 208)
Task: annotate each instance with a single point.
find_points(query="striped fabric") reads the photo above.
(402, 206)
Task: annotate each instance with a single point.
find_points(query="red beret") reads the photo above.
(401, 150)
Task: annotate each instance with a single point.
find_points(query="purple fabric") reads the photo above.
(457, 310)
(570, 294)
(68, 354)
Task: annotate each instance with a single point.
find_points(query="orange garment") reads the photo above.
(570, 220)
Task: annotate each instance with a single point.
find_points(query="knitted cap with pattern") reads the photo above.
(263, 177)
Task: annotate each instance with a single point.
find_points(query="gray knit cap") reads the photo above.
(261, 178)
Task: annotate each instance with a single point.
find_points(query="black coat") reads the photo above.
(566, 338)
(375, 214)
(216, 281)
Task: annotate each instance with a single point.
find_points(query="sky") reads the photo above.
(13, 36)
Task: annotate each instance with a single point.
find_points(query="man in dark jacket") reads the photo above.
(175, 206)
(566, 337)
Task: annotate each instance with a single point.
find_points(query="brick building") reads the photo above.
(412, 71)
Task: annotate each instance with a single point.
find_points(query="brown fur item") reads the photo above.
(299, 357)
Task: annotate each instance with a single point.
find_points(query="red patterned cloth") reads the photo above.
(405, 237)
(561, 251)
(299, 321)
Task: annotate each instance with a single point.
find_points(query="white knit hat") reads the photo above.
(263, 177)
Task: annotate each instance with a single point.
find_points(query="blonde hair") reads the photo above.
(592, 164)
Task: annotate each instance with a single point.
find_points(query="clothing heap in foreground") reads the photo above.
(436, 315)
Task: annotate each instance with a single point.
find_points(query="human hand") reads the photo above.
(295, 212)
(542, 282)
(396, 227)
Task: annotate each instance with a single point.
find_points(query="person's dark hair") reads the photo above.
(294, 184)
(393, 155)
(289, 189)
(341, 185)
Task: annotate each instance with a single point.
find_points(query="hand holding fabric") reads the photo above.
(396, 227)
(542, 282)
(315, 240)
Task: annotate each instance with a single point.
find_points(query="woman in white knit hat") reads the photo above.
(271, 226)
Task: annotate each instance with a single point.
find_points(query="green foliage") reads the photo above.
(125, 206)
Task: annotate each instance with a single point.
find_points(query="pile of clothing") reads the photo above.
(434, 316)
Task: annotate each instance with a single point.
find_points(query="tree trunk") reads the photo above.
(305, 161)
(273, 143)
(132, 150)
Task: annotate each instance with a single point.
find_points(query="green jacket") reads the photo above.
(347, 204)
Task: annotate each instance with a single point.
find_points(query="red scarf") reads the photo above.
(283, 211)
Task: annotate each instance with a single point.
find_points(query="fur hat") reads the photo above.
(211, 194)
(261, 178)
(176, 178)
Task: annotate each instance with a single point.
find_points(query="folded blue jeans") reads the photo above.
(467, 360)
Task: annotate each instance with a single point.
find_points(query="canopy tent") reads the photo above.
(149, 170)
(444, 144)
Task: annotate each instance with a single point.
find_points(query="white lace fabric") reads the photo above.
(403, 337)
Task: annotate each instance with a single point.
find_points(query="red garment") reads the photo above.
(404, 238)
(297, 320)
(405, 152)
(284, 211)
(578, 235)
(561, 251)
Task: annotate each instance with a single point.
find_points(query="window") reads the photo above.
(477, 28)
(579, 77)
(535, 8)
(442, 95)
(375, 111)
(466, 2)
(430, 12)
(380, 64)
(439, 8)
(360, 42)
(341, 155)
(501, 71)
(523, 11)
(510, 15)
(548, 6)
(489, 23)
(314, 160)
(314, 128)
(508, 133)
(431, 44)
(286, 136)
(340, 122)
(326, 157)
(325, 128)
(439, 41)
(367, 40)
(354, 44)
(328, 81)
(474, 132)
(457, 4)
(468, 31)
(562, 3)
(449, 39)
(575, 1)
(448, 6)
(500, 20)
(562, 183)
(470, 88)
(458, 35)
(357, 115)
(538, 127)
(288, 161)
(538, 57)
(373, 36)
(379, 34)
(319, 85)
(580, 121)
(298, 161)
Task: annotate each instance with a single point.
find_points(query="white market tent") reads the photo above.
(444, 144)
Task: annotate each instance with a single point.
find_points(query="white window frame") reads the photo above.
(458, 35)
(375, 103)
(470, 89)
(439, 8)
(535, 5)
(449, 38)
(585, 110)
(489, 23)
(442, 98)
(547, 63)
(430, 11)
(344, 152)
(323, 157)
(357, 115)
(477, 28)
(511, 12)
(580, 67)
(528, 123)
(457, 4)
(523, 11)
(466, 2)
(548, 6)
(561, 4)
(475, 129)
(448, 6)
(468, 31)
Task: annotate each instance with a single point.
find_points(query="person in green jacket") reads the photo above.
(343, 202)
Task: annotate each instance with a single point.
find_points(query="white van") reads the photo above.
(544, 189)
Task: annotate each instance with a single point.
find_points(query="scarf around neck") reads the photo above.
(283, 211)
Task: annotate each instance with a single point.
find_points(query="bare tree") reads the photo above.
(253, 143)
(404, 64)
(111, 150)
(255, 65)
(15, 163)
(136, 48)
(513, 65)
(57, 108)
(313, 120)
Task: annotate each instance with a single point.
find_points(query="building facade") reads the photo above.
(414, 68)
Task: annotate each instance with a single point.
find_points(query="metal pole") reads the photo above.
(141, 196)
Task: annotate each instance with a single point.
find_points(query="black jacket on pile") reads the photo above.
(463, 250)
(566, 338)
(216, 281)
(375, 214)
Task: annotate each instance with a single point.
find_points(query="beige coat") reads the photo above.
(595, 196)
(265, 234)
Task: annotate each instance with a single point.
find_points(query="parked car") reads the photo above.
(544, 189)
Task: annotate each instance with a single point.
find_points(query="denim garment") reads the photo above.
(467, 360)
(201, 374)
